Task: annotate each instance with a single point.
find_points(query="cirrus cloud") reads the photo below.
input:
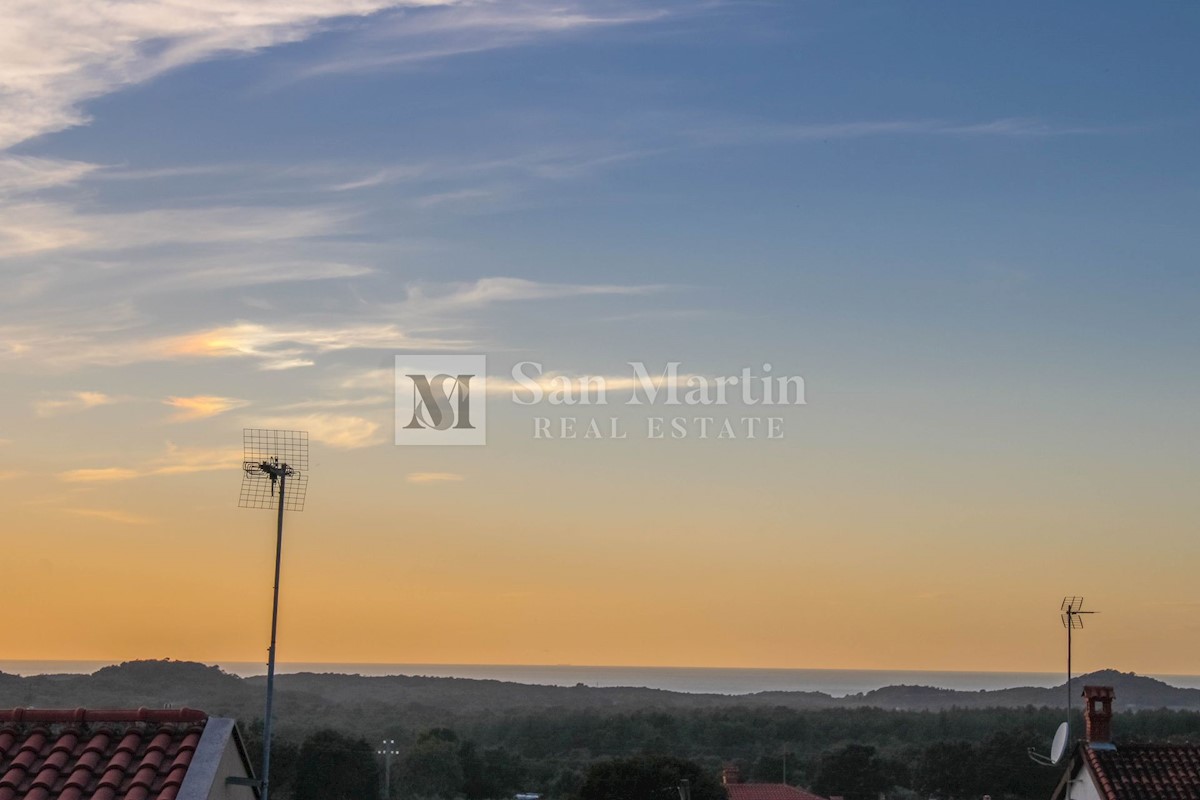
(433, 477)
(72, 403)
(201, 406)
(343, 431)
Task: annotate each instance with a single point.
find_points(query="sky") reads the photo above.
(969, 228)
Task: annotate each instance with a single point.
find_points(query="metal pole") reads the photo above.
(1070, 619)
(266, 769)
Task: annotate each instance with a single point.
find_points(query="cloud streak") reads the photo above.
(99, 475)
(56, 56)
(188, 409)
(288, 347)
(110, 515)
(30, 228)
(72, 403)
(752, 132)
(430, 317)
(342, 431)
(433, 477)
(408, 36)
(175, 461)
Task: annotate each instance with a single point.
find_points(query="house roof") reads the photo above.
(1146, 772)
(767, 791)
(105, 754)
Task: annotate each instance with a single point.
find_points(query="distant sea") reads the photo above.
(836, 682)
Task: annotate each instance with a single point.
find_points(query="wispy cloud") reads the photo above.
(343, 431)
(188, 460)
(456, 196)
(277, 348)
(72, 403)
(110, 515)
(10, 474)
(432, 317)
(99, 475)
(201, 406)
(55, 56)
(174, 461)
(438, 299)
(450, 29)
(21, 174)
(38, 227)
(433, 477)
(709, 133)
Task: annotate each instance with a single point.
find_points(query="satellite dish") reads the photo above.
(1059, 747)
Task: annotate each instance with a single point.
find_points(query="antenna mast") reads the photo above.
(1072, 609)
(273, 460)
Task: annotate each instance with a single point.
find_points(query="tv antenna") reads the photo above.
(274, 477)
(1072, 619)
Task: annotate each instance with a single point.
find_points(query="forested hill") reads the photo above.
(1134, 692)
(155, 683)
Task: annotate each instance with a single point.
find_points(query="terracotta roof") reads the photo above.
(1147, 772)
(767, 791)
(100, 754)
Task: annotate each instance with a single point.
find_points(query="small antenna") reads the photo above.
(1071, 612)
(273, 460)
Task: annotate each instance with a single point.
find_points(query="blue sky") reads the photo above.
(970, 227)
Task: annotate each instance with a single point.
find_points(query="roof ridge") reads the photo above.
(79, 716)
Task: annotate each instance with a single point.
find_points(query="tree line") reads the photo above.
(859, 754)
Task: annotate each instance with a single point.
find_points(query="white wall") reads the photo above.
(1084, 787)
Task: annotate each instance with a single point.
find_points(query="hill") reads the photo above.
(307, 695)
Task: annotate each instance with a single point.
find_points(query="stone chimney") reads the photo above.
(1097, 715)
(730, 774)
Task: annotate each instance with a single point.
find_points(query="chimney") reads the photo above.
(1097, 715)
(730, 774)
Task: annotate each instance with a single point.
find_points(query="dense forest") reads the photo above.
(482, 740)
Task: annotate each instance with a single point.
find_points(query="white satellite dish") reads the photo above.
(1059, 747)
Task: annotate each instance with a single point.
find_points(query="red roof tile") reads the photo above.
(105, 754)
(767, 791)
(1147, 772)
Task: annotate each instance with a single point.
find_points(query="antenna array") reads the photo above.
(268, 455)
(1071, 612)
(274, 467)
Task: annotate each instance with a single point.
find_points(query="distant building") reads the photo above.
(1098, 769)
(125, 754)
(731, 779)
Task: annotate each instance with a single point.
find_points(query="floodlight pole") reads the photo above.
(387, 752)
(279, 472)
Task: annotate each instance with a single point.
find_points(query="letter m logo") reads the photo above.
(441, 400)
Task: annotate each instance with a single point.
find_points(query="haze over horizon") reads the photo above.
(977, 251)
